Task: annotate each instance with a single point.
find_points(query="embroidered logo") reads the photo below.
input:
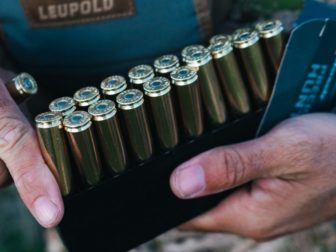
(47, 13)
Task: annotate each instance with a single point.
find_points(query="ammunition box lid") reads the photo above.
(158, 86)
(113, 85)
(184, 76)
(77, 121)
(196, 55)
(166, 64)
(102, 110)
(25, 84)
(220, 38)
(87, 96)
(63, 105)
(243, 38)
(141, 74)
(130, 99)
(48, 120)
(270, 28)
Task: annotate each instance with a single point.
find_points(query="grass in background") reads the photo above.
(19, 232)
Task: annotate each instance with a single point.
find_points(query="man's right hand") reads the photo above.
(21, 159)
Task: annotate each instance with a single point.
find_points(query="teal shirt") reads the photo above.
(87, 52)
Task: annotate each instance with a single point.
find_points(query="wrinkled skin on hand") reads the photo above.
(21, 160)
(293, 169)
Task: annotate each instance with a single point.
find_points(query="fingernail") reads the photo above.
(189, 181)
(46, 211)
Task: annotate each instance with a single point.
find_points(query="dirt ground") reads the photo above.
(319, 239)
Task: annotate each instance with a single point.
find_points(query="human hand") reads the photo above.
(21, 159)
(294, 172)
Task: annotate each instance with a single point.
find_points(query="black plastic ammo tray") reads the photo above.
(126, 211)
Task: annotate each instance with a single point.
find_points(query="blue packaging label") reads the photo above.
(306, 82)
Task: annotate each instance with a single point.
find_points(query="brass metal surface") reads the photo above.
(220, 38)
(112, 86)
(196, 55)
(211, 93)
(86, 96)
(83, 145)
(110, 139)
(231, 78)
(246, 43)
(166, 64)
(139, 75)
(272, 42)
(63, 105)
(189, 98)
(131, 104)
(199, 57)
(158, 91)
(22, 87)
(54, 148)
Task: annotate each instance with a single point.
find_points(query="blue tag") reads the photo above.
(306, 82)
(314, 9)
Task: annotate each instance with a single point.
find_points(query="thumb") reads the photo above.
(19, 150)
(224, 168)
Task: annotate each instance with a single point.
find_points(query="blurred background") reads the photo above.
(20, 233)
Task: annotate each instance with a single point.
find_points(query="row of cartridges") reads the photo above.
(160, 106)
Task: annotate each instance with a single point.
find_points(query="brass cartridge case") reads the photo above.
(139, 75)
(83, 145)
(22, 87)
(200, 58)
(131, 104)
(112, 86)
(187, 88)
(220, 38)
(270, 33)
(158, 91)
(63, 105)
(230, 76)
(246, 43)
(110, 140)
(54, 148)
(166, 64)
(86, 96)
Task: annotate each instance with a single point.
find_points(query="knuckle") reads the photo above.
(234, 167)
(13, 132)
(297, 144)
(291, 130)
(300, 135)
